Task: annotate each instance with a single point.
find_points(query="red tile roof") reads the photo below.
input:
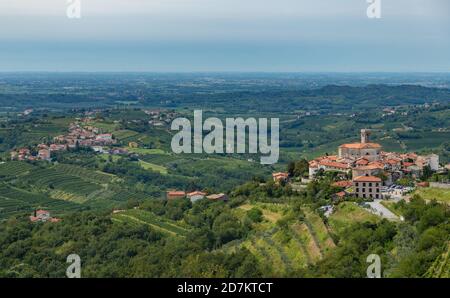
(219, 196)
(345, 183)
(176, 193)
(341, 194)
(334, 164)
(366, 179)
(196, 193)
(280, 175)
(362, 162)
(360, 145)
(370, 167)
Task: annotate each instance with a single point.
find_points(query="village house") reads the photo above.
(339, 196)
(280, 176)
(367, 187)
(44, 154)
(104, 139)
(43, 216)
(218, 197)
(58, 147)
(174, 194)
(196, 195)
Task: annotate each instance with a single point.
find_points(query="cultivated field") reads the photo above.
(140, 217)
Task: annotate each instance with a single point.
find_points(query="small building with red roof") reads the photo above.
(344, 183)
(43, 216)
(196, 195)
(280, 176)
(175, 194)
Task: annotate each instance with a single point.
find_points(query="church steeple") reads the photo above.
(365, 133)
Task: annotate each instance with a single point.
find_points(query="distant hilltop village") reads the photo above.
(370, 167)
(78, 136)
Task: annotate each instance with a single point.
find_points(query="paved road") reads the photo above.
(382, 211)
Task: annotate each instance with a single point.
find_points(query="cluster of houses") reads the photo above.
(43, 216)
(160, 118)
(195, 196)
(371, 168)
(41, 152)
(85, 136)
(82, 136)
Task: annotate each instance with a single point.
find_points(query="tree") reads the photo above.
(426, 173)
(299, 168)
(255, 215)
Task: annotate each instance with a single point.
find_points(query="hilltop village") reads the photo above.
(369, 170)
(80, 134)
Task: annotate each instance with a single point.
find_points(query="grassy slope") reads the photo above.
(136, 217)
(430, 193)
(347, 213)
(153, 167)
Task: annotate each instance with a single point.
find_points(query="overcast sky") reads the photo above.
(225, 35)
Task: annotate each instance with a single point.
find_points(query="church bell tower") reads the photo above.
(365, 133)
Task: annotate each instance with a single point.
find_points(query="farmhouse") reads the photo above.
(196, 195)
(218, 197)
(174, 194)
(280, 176)
(43, 216)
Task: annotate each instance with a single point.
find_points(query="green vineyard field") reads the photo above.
(135, 216)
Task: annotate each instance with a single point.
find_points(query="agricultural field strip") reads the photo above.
(153, 220)
(27, 200)
(319, 231)
(85, 174)
(67, 183)
(303, 234)
(14, 168)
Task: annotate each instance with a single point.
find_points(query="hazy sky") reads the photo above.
(225, 35)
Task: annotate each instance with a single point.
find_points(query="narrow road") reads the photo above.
(382, 211)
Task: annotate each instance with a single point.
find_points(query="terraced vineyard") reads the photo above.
(124, 135)
(285, 249)
(85, 174)
(136, 217)
(124, 195)
(15, 201)
(441, 266)
(66, 183)
(14, 168)
(320, 232)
